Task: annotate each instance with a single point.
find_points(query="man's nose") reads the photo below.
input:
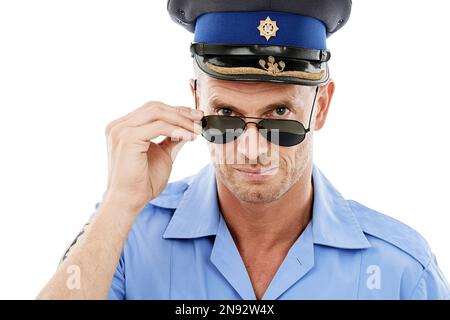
(251, 144)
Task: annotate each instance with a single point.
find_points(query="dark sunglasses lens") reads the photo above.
(222, 129)
(286, 133)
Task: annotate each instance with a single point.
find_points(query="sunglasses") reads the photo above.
(220, 129)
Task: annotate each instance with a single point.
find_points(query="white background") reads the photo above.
(67, 68)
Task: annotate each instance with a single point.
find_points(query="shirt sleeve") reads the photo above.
(117, 289)
(432, 284)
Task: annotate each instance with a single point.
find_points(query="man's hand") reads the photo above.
(138, 171)
(138, 168)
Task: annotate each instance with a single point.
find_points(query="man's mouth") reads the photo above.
(257, 171)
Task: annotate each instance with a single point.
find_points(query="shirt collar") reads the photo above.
(197, 212)
(334, 223)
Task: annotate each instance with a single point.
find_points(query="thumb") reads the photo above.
(172, 146)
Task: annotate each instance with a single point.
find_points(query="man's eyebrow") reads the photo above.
(216, 103)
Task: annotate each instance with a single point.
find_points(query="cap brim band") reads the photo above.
(203, 49)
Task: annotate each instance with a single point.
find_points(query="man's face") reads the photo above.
(251, 168)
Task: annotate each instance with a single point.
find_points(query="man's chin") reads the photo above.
(256, 195)
(254, 191)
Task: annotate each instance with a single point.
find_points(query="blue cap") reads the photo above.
(262, 40)
(242, 28)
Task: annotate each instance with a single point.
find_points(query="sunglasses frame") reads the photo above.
(262, 119)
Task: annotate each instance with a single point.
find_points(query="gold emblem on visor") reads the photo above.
(271, 66)
(268, 28)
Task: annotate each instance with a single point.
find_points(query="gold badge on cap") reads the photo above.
(268, 28)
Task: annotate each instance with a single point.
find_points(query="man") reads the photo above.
(260, 222)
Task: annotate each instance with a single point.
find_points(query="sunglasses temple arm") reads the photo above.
(312, 109)
(195, 93)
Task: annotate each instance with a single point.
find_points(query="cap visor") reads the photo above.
(263, 69)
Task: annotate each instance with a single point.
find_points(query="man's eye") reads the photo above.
(224, 111)
(280, 111)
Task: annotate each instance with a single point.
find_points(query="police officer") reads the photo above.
(261, 221)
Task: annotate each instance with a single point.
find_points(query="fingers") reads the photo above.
(182, 117)
(152, 111)
(162, 128)
(156, 119)
(119, 120)
(132, 157)
(139, 138)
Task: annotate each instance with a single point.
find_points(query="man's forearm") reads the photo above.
(88, 270)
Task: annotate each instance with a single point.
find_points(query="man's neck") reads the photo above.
(268, 225)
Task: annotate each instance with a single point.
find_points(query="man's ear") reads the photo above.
(193, 86)
(323, 104)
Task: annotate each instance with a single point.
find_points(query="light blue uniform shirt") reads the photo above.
(180, 248)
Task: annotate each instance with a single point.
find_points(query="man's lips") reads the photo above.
(258, 171)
